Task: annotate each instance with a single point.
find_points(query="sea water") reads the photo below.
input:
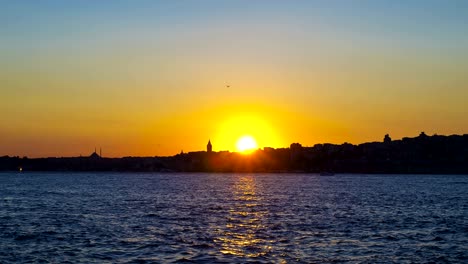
(232, 218)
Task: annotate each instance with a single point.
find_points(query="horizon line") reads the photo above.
(262, 148)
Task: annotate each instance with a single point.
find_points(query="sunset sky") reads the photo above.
(147, 78)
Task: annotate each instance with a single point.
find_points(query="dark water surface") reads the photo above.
(232, 218)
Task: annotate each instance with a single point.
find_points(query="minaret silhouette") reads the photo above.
(100, 152)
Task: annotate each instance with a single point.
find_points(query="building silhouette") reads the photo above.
(94, 155)
(422, 154)
(387, 139)
(209, 148)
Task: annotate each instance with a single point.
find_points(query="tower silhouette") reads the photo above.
(209, 148)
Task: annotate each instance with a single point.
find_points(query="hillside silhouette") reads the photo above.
(422, 154)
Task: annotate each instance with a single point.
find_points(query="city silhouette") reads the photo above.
(421, 154)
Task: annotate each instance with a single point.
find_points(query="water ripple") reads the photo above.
(229, 218)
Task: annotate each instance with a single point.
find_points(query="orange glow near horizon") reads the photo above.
(247, 131)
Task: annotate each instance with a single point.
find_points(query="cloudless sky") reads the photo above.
(147, 78)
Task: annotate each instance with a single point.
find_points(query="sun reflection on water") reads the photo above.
(245, 234)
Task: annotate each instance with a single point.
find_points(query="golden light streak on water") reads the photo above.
(245, 218)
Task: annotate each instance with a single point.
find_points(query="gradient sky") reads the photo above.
(146, 78)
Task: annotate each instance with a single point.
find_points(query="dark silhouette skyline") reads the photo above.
(421, 154)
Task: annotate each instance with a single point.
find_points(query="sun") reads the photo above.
(246, 144)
